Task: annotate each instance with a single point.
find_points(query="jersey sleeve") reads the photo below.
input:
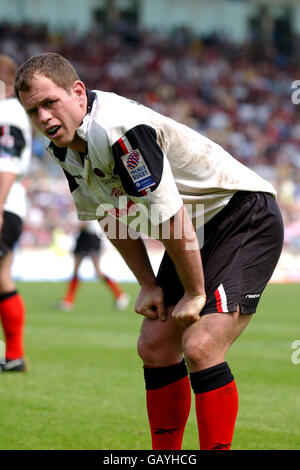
(12, 144)
(145, 173)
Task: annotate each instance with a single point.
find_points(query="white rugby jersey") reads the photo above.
(15, 151)
(139, 158)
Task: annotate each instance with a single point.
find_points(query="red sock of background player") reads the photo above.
(114, 287)
(168, 395)
(72, 288)
(12, 313)
(216, 401)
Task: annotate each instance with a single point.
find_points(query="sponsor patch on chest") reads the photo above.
(138, 170)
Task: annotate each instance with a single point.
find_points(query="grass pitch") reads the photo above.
(85, 387)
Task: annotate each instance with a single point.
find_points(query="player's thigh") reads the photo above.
(160, 343)
(77, 262)
(94, 256)
(206, 342)
(9, 236)
(10, 232)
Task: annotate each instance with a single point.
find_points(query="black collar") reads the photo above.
(60, 152)
(91, 96)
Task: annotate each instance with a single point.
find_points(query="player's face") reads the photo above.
(54, 111)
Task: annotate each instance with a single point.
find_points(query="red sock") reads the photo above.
(113, 287)
(72, 288)
(12, 313)
(168, 406)
(216, 406)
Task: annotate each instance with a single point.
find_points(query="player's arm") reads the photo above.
(12, 143)
(185, 254)
(155, 187)
(6, 182)
(133, 250)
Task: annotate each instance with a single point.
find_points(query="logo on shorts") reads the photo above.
(252, 296)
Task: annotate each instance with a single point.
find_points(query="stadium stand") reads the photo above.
(238, 95)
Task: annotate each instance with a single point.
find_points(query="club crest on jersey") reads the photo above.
(138, 170)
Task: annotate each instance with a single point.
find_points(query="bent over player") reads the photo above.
(15, 152)
(113, 149)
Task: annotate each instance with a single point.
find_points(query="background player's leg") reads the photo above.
(73, 285)
(12, 313)
(168, 392)
(121, 298)
(205, 344)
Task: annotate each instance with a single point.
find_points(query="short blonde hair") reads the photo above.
(51, 65)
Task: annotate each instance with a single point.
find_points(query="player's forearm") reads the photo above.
(6, 182)
(187, 261)
(135, 255)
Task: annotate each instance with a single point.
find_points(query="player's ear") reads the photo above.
(78, 88)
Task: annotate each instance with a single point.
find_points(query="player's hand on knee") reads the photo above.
(150, 303)
(188, 309)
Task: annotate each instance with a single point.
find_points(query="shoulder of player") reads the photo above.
(117, 115)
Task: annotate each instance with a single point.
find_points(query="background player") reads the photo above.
(200, 302)
(88, 244)
(15, 152)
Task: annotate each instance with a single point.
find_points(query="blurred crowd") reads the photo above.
(238, 95)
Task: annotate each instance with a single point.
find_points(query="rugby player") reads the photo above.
(15, 152)
(204, 296)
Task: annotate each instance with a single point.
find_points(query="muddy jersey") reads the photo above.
(15, 151)
(139, 158)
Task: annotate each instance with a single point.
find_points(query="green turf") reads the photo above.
(85, 387)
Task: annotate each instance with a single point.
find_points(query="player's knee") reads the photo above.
(146, 349)
(156, 352)
(200, 351)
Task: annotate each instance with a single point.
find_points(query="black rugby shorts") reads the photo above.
(87, 244)
(10, 233)
(241, 248)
